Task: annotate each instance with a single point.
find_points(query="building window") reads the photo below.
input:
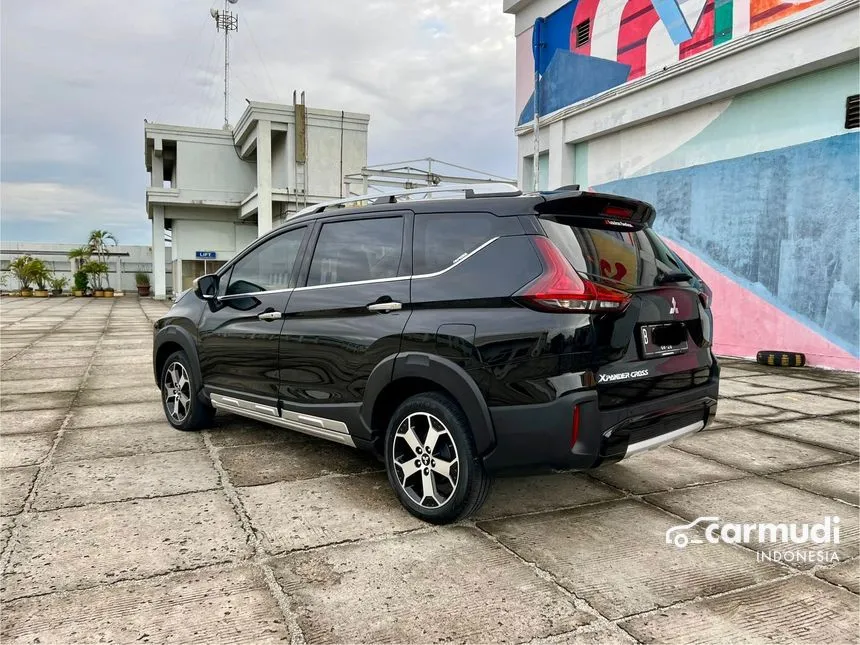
(583, 30)
(852, 112)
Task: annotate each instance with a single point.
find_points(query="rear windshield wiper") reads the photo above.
(674, 276)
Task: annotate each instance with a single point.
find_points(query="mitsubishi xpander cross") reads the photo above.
(455, 338)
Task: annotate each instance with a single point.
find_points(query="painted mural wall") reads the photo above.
(759, 193)
(590, 46)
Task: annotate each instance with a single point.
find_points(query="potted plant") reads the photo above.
(142, 281)
(57, 286)
(96, 270)
(108, 291)
(22, 268)
(98, 244)
(41, 276)
(80, 287)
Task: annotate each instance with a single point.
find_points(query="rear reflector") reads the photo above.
(574, 431)
(560, 288)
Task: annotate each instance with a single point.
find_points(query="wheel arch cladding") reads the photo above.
(170, 340)
(398, 377)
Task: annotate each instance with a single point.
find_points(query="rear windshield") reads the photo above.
(623, 257)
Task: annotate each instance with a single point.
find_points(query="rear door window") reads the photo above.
(440, 239)
(357, 250)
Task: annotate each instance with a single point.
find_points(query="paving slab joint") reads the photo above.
(253, 539)
(45, 464)
(543, 574)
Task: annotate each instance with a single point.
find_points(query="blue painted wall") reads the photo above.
(785, 221)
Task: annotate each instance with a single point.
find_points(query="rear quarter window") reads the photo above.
(442, 238)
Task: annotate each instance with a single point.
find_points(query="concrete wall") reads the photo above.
(138, 260)
(760, 194)
(213, 170)
(332, 153)
(226, 237)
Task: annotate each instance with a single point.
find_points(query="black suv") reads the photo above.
(455, 338)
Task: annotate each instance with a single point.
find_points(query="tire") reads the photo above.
(188, 410)
(443, 485)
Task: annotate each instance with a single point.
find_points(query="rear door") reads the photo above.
(347, 316)
(661, 343)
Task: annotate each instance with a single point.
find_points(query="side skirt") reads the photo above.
(308, 424)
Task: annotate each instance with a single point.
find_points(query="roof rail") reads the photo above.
(469, 191)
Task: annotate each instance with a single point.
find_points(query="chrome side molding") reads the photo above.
(305, 423)
(663, 439)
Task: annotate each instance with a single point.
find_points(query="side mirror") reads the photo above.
(206, 287)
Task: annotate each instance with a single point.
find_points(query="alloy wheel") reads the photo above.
(177, 392)
(425, 458)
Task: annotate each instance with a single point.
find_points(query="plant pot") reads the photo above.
(98, 293)
(108, 293)
(77, 293)
(56, 292)
(26, 293)
(41, 293)
(143, 290)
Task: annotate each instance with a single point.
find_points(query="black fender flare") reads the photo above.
(444, 373)
(185, 340)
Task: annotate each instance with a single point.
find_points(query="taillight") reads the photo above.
(560, 288)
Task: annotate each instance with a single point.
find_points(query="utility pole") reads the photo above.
(537, 45)
(226, 21)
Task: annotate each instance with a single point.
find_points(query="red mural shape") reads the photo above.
(606, 270)
(637, 21)
(703, 34)
(585, 10)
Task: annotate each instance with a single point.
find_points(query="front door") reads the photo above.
(348, 316)
(239, 332)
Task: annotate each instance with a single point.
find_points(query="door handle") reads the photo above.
(385, 307)
(268, 316)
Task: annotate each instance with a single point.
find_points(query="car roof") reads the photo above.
(500, 204)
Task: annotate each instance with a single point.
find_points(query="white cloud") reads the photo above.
(436, 76)
(59, 204)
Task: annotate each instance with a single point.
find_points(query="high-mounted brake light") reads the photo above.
(560, 288)
(617, 211)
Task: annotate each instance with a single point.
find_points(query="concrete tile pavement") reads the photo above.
(115, 527)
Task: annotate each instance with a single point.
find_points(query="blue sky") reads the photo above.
(78, 79)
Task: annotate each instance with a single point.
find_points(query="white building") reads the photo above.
(738, 120)
(218, 190)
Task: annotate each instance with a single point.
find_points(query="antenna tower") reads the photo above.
(226, 21)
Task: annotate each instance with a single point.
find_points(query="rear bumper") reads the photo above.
(531, 438)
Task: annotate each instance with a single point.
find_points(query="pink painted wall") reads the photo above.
(745, 323)
(525, 69)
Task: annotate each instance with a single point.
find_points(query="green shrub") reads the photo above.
(81, 281)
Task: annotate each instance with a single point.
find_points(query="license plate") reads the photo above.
(663, 340)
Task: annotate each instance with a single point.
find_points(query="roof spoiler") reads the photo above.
(596, 205)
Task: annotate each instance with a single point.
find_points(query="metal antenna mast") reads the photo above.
(226, 21)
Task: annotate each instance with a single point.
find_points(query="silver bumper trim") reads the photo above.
(663, 439)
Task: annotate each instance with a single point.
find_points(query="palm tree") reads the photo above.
(79, 255)
(98, 244)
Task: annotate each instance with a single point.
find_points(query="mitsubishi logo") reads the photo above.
(674, 309)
